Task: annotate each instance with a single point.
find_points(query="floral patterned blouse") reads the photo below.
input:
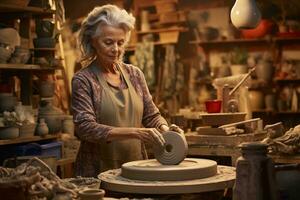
(86, 101)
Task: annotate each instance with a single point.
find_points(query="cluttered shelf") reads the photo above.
(220, 43)
(27, 139)
(24, 67)
(8, 8)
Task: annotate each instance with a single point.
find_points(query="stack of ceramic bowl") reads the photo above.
(20, 55)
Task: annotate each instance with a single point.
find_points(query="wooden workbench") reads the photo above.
(212, 145)
(205, 145)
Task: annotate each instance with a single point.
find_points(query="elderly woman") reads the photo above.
(114, 114)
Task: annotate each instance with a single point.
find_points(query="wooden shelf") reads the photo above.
(6, 8)
(287, 81)
(29, 139)
(163, 30)
(23, 67)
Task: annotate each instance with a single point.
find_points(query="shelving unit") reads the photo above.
(27, 139)
(276, 45)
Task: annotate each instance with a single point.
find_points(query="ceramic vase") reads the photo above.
(264, 70)
(245, 14)
(42, 128)
(68, 125)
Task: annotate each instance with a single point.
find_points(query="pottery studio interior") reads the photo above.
(203, 99)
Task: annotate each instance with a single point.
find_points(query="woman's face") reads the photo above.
(110, 44)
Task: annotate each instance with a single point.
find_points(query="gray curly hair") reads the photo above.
(108, 15)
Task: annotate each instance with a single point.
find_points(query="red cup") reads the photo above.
(213, 106)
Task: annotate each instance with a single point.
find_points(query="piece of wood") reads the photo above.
(210, 131)
(239, 123)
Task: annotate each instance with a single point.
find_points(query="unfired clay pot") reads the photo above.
(91, 194)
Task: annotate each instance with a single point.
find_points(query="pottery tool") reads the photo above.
(174, 150)
(242, 81)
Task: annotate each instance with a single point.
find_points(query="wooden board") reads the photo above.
(210, 131)
(217, 119)
(228, 140)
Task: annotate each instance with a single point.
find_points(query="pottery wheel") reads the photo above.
(113, 181)
(174, 151)
(151, 170)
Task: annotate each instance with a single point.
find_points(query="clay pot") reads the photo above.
(256, 99)
(42, 128)
(52, 115)
(264, 27)
(91, 194)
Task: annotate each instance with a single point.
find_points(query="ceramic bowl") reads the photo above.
(213, 106)
(10, 132)
(91, 194)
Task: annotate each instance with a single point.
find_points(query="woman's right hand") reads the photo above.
(147, 135)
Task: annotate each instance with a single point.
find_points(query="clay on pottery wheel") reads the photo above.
(113, 181)
(174, 151)
(151, 170)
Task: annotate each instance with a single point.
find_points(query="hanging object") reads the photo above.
(245, 14)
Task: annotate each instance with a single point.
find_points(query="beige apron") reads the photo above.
(120, 108)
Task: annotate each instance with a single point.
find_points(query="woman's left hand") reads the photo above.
(173, 127)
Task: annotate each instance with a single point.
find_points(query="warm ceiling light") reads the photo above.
(245, 14)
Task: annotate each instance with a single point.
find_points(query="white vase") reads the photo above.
(245, 14)
(42, 128)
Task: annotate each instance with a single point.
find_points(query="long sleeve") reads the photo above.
(85, 120)
(151, 114)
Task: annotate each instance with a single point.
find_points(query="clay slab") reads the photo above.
(152, 170)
